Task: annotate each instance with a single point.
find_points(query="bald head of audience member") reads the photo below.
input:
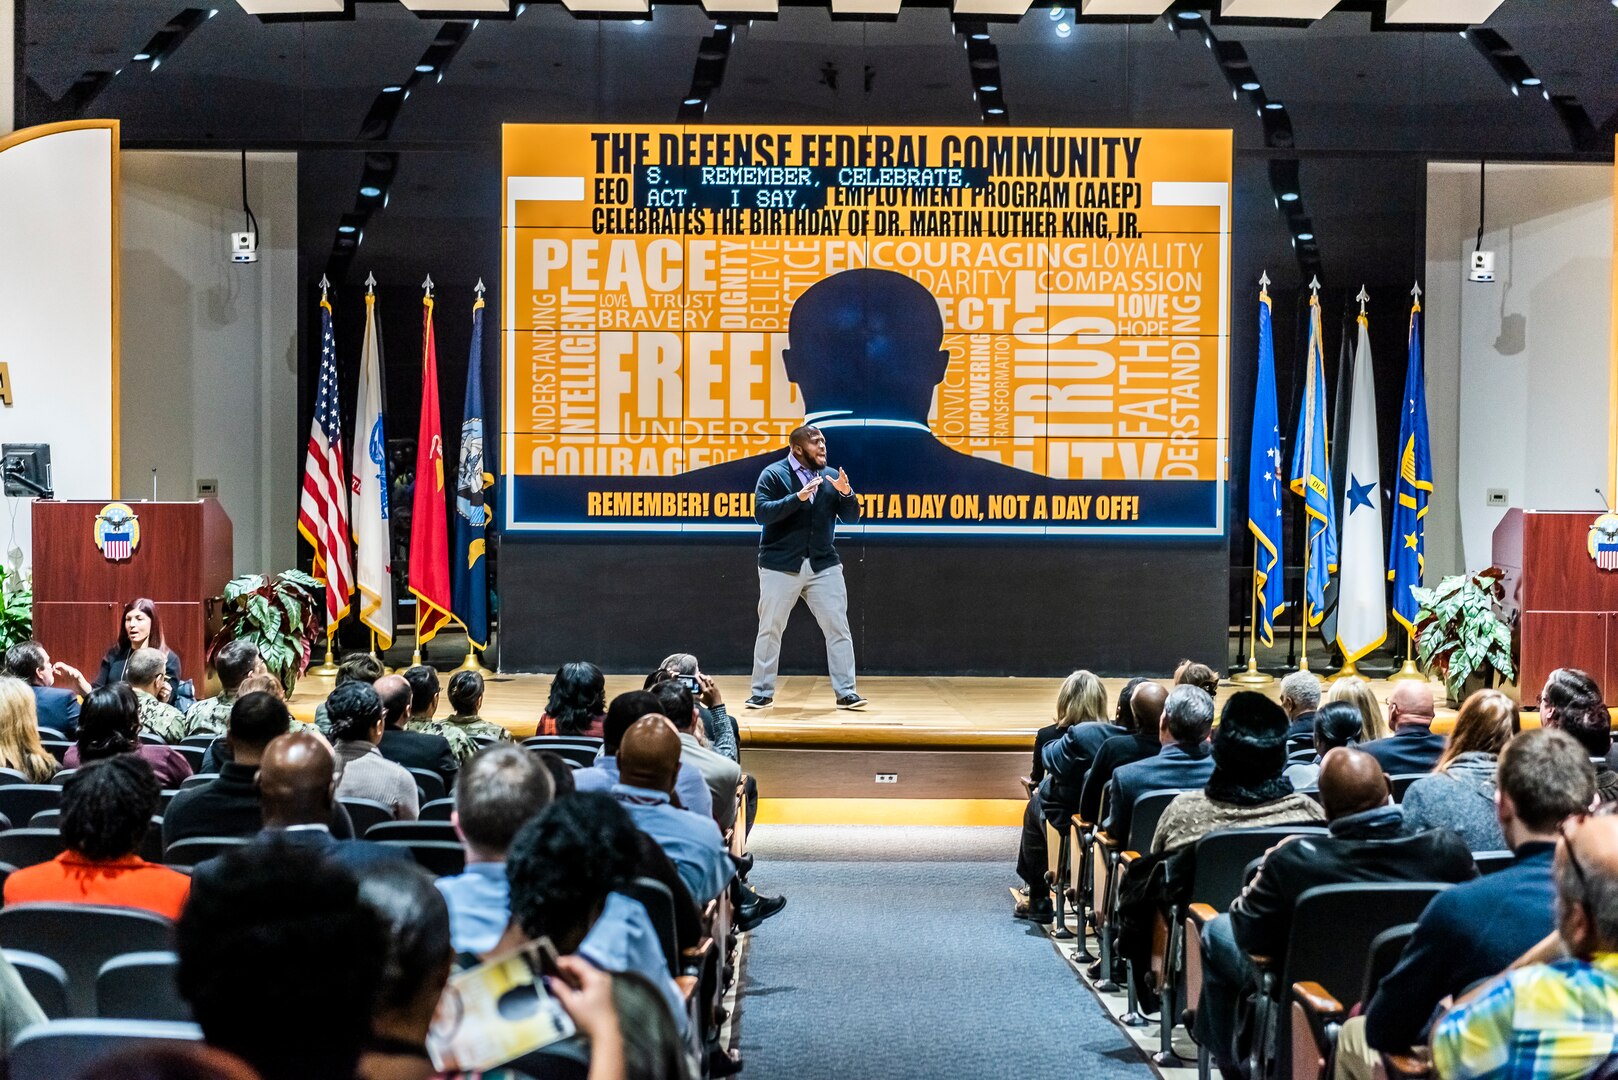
(1410, 705)
(649, 754)
(1587, 886)
(1351, 782)
(1146, 703)
(297, 781)
(395, 692)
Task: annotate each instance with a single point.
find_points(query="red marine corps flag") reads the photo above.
(429, 534)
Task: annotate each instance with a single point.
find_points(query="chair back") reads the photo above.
(82, 937)
(442, 857)
(1148, 812)
(1400, 783)
(203, 741)
(14, 776)
(46, 981)
(428, 783)
(658, 901)
(52, 733)
(197, 780)
(29, 847)
(1221, 860)
(193, 755)
(1333, 927)
(56, 748)
(437, 810)
(59, 1048)
(1386, 948)
(141, 986)
(19, 802)
(151, 740)
(46, 819)
(194, 849)
(412, 830)
(1489, 862)
(60, 778)
(576, 748)
(366, 812)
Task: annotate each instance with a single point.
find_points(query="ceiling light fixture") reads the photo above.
(1055, 14)
(370, 191)
(1289, 196)
(994, 110)
(1250, 85)
(989, 88)
(692, 101)
(1189, 16)
(1306, 236)
(1063, 29)
(391, 89)
(346, 229)
(424, 68)
(141, 56)
(1272, 105)
(1532, 80)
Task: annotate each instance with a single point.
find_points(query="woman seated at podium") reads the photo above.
(142, 629)
(109, 724)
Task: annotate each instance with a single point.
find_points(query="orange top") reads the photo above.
(131, 881)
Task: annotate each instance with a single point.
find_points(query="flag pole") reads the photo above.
(1253, 676)
(1350, 670)
(1410, 672)
(415, 655)
(1308, 469)
(471, 662)
(328, 666)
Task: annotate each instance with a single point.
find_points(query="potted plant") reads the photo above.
(16, 607)
(1460, 633)
(281, 615)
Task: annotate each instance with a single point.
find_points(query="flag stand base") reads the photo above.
(415, 658)
(1252, 676)
(471, 663)
(1408, 672)
(1347, 671)
(327, 667)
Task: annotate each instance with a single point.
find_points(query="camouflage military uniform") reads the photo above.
(463, 733)
(164, 721)
(210, 716)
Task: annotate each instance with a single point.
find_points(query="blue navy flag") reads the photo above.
(1311, 478)
(1264, 484)
(469, 569)
(1414, 487)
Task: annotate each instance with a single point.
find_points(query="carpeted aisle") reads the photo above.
(897, 956)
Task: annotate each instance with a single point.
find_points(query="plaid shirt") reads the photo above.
(1538, 1023)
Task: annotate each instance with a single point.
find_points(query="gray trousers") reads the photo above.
(827, 596)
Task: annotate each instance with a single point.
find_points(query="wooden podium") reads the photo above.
(184, 557)
(1567, 605)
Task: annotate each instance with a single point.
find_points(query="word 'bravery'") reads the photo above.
(1049, 156)
(908, 507)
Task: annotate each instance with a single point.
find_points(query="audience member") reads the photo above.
(1337, 723)
(57, 706)
(146, 676)
(1068, 759)
(355, 713)
(1300, 698)
(412, 749)
(464, 728)
(1367, 843)
(424, 693)
(236, 661)
(561, 771)
(578, 702)
(141, 629)
(355, 667)
(501, 789)
(1203, 677)
(109, 723)
(1246, 788)
(690, 789)
(1082, 699)
(1183, 762)
(229, 804)
(107, 808)
(263, 683)
(1146, 707)
(279, 931)
(1413, 747)
(719, 772)
(1460, 794)
(1357, 692)
(1475, 930)
(20, 748)
(1557, 1019)
(418, 965)
(1571, 702)
(718, 726)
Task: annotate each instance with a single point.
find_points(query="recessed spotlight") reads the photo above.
(1249, 85)
(521, 8)
(1546, 94)
(1514, 91)
(346, 229)
(1272, 105)
(1289, 196)
(423, 68)
(1188, 16)
(212, 12)
(391, 89)
(141, 56)
(1306, 236)
(981, 35)
(156, 64)
(994, 110)
(989, 88)
(370, 191)
(692, 101)
(1063, 29)
(720, 27)
(637, 22)
(1532, 80)
(1056, 14)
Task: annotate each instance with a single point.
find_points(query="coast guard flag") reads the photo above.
(323, 507)
(429, 541)
(1362, 609)
(1264, 484)
(470, 570)
(373, 570)
(1415, 485)
(1311, 477)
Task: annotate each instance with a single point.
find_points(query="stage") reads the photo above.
(928, 750)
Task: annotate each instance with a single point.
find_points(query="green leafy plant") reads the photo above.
(1459, 631)
(16, 607)
(281, 615)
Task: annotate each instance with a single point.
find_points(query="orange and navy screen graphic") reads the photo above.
(998, 331)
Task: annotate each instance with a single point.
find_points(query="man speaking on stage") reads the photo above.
(799, 502)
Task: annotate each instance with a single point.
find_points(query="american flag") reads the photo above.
(323, 509)
(1606, 555)
(115, 545)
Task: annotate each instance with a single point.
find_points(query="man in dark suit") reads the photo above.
(1413, 747)
(56, 706)
(1475, 931)
(412, 749)
(1184, 762)
(1367, 843)
(1300, 698)
(1146, 703)
(229, 805)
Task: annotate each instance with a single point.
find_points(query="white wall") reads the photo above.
(8, 64)
(1517, 371)
(209, 346)
(57, 336)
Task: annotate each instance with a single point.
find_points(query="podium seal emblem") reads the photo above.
(1603, 541)
(117, 531)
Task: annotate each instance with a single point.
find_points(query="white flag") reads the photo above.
(372, 571)
(1362, 609)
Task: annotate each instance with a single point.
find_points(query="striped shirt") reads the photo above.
(1544, 1022)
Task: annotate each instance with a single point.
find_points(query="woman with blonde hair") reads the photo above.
(1081, 699)
(20, 748)
(1357, 692)
(1459, 794)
